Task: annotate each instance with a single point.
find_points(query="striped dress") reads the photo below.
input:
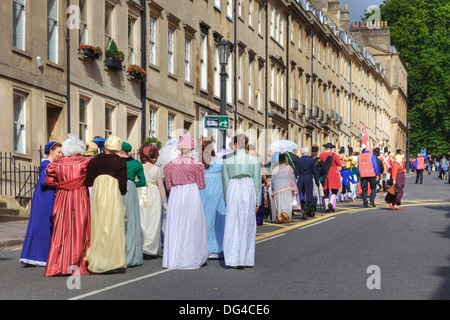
(71, 217)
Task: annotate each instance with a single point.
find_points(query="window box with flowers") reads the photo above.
(135, 72)
(114, 57)
(91, 52)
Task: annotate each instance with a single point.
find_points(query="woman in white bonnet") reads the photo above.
(71, 212)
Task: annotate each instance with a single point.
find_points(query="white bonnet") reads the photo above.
(72, 146)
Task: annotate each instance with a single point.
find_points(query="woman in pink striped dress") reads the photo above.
(71, 212)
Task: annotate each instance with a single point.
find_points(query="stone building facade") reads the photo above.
(298, 71)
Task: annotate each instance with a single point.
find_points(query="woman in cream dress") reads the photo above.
(152, 199)
(107, 174)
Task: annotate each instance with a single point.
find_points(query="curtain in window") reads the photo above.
(19, 24)
(52, 30)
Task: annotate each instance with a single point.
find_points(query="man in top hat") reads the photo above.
(332, 181)
(369, 174)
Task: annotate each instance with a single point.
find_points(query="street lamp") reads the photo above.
(224, 52)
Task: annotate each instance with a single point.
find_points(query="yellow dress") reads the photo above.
(107, 250)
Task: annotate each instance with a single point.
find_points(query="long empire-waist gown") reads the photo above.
(71, 216)
(107, 174)
(241, 178)
(185, 238)
(214, 206)
(150, 202)
(133, 235)
(40, 226)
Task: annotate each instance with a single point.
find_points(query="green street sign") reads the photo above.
(217, 122)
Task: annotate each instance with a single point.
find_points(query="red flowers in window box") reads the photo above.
(91, 52)
(136, 72)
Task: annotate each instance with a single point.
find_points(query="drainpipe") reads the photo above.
(351, 99)
(312, 81)
(266, 84)
(68, 68)
(143, 63)
(287, 75)
(235, 64)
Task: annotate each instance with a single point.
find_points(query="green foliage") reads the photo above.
(419, 31)
(153, 140)
(114, 53)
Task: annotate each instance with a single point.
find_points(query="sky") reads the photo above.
(356, 7)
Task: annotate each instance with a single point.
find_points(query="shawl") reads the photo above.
(283, 179)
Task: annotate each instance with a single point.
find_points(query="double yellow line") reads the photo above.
(282, 228)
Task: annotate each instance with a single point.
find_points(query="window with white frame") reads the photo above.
(83, 34)
(170, 127)
(19, 130)
(229, 69)
(131, 52)
(108, 120)
(187, 60)
(203, 62)
(152, 36)
(83, 118)
(272, 22)
(108, 25)
(281, 28)
(260, 84)
(239, 77)
(216, 72)
(230, 9)
(250, 12)
(250, 75)
(19, 14)
(292, 31)
(259, 19)
(272, 83)
(217, 4)
(299, 36)
(152, 123)
(170, 54)
(52, 30)
(239, 11)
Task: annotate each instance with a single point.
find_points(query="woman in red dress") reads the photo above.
(71, 212)
(332, 182)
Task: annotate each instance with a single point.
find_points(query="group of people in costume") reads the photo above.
(305, 182)
(96, 209)
(85, 212)
(103, 212)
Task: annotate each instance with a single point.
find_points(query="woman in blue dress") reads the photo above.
(40, 226)
(213, 200)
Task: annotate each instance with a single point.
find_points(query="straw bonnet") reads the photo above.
(113, 143)
(91, 148)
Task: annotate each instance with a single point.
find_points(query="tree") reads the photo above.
(419, 31)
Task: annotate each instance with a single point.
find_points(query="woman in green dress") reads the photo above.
(133, 238)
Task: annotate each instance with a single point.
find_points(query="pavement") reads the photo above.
(12, 233)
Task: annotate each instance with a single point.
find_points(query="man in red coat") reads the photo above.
(332, 181)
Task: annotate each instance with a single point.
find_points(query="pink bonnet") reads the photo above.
(186, 142)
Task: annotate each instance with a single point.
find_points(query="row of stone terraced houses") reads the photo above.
(299, 69)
